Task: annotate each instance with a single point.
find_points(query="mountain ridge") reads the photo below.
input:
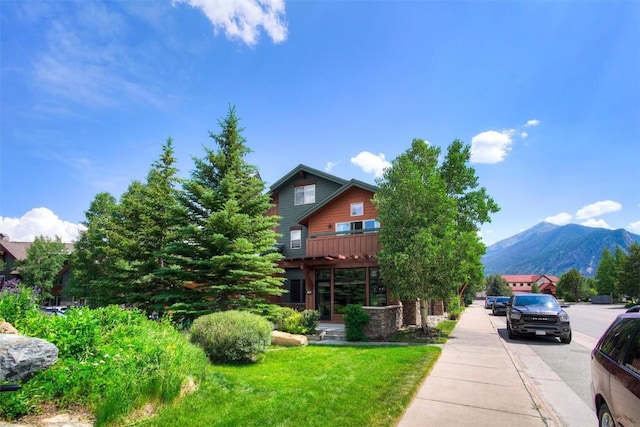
(553, 249)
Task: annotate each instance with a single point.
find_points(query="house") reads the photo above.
(329, 241)
(523, 283)
(11, 252)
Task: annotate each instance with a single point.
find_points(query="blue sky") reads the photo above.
(547, 93)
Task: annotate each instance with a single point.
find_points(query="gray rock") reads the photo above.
(22, 356)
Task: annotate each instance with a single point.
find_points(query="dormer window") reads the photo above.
(357, 209)
(304, 194)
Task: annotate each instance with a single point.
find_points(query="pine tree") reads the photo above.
(224, 254)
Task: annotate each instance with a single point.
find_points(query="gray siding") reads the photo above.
(289, 212)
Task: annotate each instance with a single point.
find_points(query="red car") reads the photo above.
(615, 373)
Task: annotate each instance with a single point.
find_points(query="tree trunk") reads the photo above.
(423, 314)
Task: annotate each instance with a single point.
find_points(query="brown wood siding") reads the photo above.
(350, 245)
(339, 210)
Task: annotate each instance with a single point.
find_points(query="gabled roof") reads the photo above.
(347, 186)
(305, 168)
(18, 250)
(527, 278)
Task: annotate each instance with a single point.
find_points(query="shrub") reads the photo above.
(232, 336)
(110, 360)
(310, 319)
(355, 317)
(454, 307)
(16, 300)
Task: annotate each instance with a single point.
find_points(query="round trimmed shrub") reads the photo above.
(232, 336)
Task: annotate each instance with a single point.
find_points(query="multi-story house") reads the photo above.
(523, 283)
(329, 240)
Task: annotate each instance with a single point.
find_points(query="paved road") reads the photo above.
(562, 373)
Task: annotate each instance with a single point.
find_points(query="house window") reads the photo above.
(305, 194)
(356, 226)
(296, 291)
(357, 209)
(296, 239)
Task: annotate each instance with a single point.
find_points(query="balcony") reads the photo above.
(357, 244)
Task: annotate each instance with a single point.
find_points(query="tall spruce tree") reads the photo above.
(116, 258)
(224, 254)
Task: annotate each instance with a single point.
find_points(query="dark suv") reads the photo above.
(615, 373)
(537, 315)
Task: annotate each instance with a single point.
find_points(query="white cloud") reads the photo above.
(241, 19)
(634, 227)
(596, 223)
(491, 146)
(329, 167)
(523, 135)
(598, 208)
(559, 219)
(532, 122)
(370, 163)
(39, 222)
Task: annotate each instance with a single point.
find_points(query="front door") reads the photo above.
(323, 293)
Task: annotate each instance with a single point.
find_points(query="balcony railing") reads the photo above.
(344, 244)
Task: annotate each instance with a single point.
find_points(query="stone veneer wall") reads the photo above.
(383, 321)
(411, 312)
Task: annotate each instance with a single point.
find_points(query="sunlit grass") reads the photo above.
(306, 386)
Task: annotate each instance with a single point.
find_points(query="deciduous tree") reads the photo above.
(429, 215)
(573, 286)
(45, 258)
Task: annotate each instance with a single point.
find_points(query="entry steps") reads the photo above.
(331, 332)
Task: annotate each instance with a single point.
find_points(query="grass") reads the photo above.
(310, 386)
(437, 335)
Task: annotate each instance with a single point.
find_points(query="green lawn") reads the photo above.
(316, 385)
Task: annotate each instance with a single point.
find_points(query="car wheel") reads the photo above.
(604, 417)
(566, 340)
(510, 333)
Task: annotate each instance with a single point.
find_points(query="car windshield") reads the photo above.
(502, 299)
(545, 300)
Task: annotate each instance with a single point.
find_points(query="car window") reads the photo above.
(546, 300)
(615, 338)
(632, 358)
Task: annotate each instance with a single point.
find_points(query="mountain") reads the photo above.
(554, 249)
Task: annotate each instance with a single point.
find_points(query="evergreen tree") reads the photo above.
(497, 285)
(629, 275)
(96, 254)
(607, 274)
(224, 254)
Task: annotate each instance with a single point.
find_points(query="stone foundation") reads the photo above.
(383, 321)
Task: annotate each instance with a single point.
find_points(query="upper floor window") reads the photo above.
(357, 209)
(354, 226)
(296, 239)
(305, 194)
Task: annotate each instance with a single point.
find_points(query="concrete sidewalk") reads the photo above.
(477, 381)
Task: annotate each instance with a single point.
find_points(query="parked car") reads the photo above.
(634, 309)
(500, 306)
(537, 315)
(488, 303)
(615, 373)
(56, 310)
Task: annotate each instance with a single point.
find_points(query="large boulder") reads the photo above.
(21, 356)
(288, 340)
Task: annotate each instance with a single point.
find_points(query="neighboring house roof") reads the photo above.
(18, 250)
(304, 218)
(305, 168)
(528, 278)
